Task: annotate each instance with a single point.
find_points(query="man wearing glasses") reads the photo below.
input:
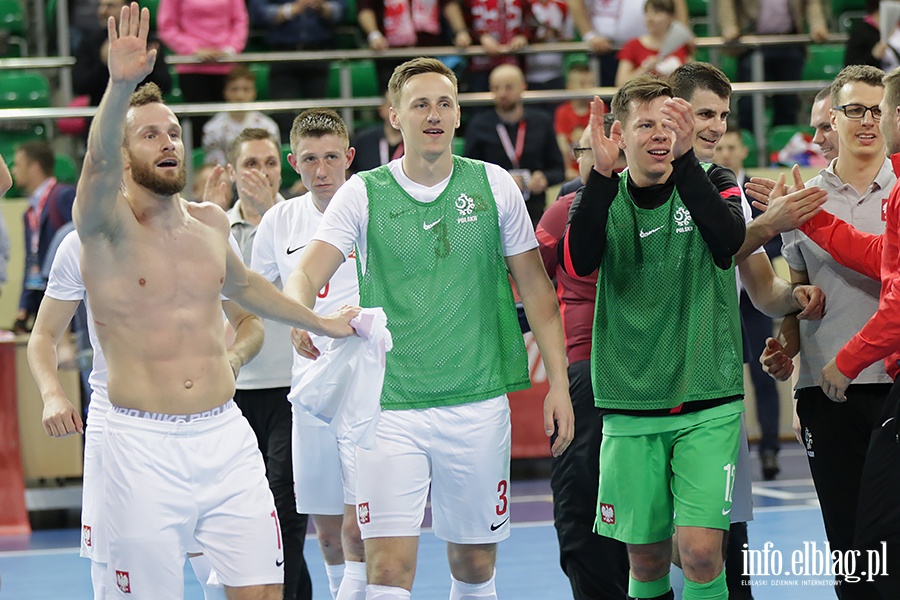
(836, 434)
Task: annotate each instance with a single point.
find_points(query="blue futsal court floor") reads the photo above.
(46, 564)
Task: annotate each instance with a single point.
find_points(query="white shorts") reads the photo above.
(461, 451)
(742, 493)
(94, 542)
(172, 487)
(324, 469)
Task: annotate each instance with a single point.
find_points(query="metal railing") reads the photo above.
(759, 89)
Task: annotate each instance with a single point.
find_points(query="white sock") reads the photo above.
(386, 592)
(98, 579)
(473, 591)
(335, 574)
(202, 569)
(353, 586)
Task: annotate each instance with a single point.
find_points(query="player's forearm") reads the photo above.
(758, 233)
(776, 299)
(299, 287)
(262, 298)
(249, 334)
(43, 361)
(546, 325)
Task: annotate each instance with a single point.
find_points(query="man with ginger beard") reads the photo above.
(183, 465)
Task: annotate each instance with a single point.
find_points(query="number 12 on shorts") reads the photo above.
(729, 481)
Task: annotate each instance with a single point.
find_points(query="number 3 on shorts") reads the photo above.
(729, 481)
(503, 503)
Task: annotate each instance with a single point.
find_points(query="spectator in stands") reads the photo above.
(571, 118)
(379, 144)
(220, 131)
(500, 28)
(209, 30)
(864, 46)
(49, 208)
(519, 139)
(606, 25)
(820, 119)
(550, 22)
(293, 25)
(781, 63)
(90, 75)
(409, 23)
(640, 55)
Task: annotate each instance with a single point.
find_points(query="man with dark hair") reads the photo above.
(182, 466)
(518, 138)
(417, 227)
(49, 208)
(662, 251)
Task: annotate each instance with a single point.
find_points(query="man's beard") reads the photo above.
(145, 176)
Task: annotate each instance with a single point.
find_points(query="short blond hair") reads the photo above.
(417, 66)
(149, 93)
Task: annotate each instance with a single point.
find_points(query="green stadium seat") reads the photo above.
(823, 61)
(752, 154)
(697, 8)
(575, 58)
(174, 96)
(777, 137)
(198, 157)
(363, 79)
(288, 175)
(153, 6)
(261, 71)
(12, 16)
(24, 89)
(65, 169)
(458, 146)
(839, 7)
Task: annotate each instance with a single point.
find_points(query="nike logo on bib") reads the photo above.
(278, 563)
(427, 226)
(644, 234)
(725, 513)
(292, 250)
(496, 526)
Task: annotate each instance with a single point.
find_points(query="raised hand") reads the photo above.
(217, 186)
(678, 117)
(605, 148)
(257, 189)
(130, 60)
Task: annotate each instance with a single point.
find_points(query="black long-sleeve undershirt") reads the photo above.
(706, 194)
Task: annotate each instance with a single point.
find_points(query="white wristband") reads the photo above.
(589, 35)
(375, 35)
(287, 11)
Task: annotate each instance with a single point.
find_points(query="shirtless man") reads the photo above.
(154, 267)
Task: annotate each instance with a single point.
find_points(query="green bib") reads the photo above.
(438, 271)
(666, 325)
